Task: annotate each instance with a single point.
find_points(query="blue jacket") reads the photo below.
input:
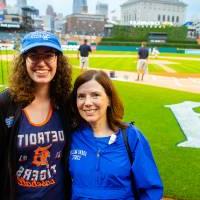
(102, 171)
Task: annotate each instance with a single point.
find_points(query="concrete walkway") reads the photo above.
(189, 84)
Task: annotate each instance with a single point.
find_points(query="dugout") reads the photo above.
(156, 37)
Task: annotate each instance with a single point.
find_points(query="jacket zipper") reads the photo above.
(98, 155)
(98, 159)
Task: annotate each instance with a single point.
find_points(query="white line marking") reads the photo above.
(177, 82)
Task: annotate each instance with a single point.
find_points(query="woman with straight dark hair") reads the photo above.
(33, 124)
(99, 162)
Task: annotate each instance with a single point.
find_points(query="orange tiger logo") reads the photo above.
(41, 155)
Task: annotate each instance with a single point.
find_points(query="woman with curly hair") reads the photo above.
(33, 122)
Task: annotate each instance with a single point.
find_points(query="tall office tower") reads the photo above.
(80, 6)
(21, 3)
(50, 11)
(102, 9)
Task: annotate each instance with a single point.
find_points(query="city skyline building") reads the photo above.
(21, 3)
(102, 9)
(50, 10)
(159, 11)
(49, 19)
(80, 6)
(86, 24)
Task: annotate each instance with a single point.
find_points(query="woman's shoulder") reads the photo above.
(7, 104)
(77, 131)
(134, 132)
(136, 136)
(132, 129)
(5, 97)
(82, 131)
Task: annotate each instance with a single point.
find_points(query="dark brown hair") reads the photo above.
(115, 111)
(22, 86)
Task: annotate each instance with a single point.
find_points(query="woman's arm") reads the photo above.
(146, 175)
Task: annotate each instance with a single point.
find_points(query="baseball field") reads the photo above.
(146, 105)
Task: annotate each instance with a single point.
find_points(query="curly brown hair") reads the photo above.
(22, 87)
(115, 111)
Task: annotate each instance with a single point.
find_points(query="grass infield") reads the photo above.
(176, 64)
(179, 167)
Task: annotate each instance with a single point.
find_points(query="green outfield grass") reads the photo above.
(129, 64)
(197, 110)
(4, 52)
(4, 72)
(113, 52)
(179, 55)
(179, 167)
(186, 67)
(180, 66)
(104, 52)
(134, 53)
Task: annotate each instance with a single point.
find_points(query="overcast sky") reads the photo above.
(65, 6)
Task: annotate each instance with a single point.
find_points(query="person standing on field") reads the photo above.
(142, 64)
(155, 52)
(83, 54)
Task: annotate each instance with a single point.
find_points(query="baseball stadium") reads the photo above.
(165, 105)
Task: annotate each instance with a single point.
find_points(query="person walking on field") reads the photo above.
(142, 64)
(83, 54)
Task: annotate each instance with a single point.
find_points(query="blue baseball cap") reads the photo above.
(40, 38)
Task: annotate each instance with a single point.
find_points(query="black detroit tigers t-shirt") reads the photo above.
(40, 173)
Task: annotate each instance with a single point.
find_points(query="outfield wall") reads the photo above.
(192, 51)
(161, 49)
(135, 48)
(4, 46)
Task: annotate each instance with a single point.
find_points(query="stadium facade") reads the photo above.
(85, 24)
(162, 11)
